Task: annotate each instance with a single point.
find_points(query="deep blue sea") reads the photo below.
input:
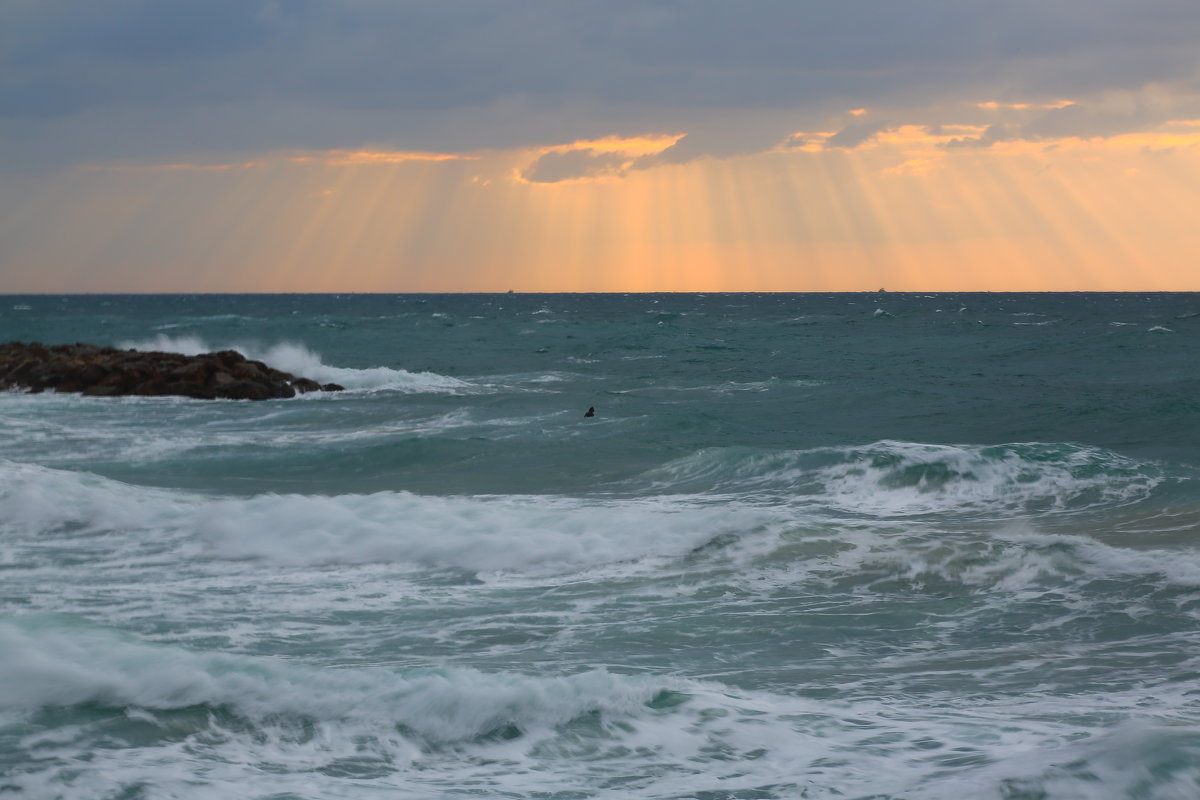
(879, 545)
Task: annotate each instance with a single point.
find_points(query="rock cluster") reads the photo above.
(106, 371)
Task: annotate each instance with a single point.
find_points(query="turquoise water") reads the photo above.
(846, 545)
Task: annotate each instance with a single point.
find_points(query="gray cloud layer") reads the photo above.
(84, 81)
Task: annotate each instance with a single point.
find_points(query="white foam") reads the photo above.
(481, 534)
(299, 360)
(1012, 562)
(34, 498)
(538, 538)
(1067, 554)
(732, 387)
(61, 665)
(274, 726)
(905, 479)
(302, 362)
(162, 343)
(902, 479)
(485, 534)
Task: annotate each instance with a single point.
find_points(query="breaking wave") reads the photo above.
(901, 479)
(302, 362)
(479, 533)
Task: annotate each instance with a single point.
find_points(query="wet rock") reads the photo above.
(107, 372)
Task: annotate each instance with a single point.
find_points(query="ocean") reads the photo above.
(877, 545)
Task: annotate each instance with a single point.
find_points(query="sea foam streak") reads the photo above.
(302, 362)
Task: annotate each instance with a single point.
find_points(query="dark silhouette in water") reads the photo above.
(591, 412)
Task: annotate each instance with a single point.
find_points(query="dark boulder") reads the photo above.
(107, 372)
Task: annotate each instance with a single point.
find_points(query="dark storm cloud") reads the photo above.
(81, 80)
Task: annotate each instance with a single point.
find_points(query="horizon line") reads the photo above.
(514, 292)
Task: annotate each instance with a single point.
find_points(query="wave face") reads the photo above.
(822, 546)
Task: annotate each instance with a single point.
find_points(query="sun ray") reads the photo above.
(905, 210)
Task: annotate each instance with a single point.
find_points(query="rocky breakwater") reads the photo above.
(108, 372)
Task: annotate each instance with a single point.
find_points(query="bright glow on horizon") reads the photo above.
(375, 146)
(904, 209)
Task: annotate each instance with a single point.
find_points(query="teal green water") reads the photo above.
(847, 545)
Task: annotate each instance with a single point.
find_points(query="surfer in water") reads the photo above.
(591, 412)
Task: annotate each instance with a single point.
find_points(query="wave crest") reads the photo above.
(54, 662)
(534, 534)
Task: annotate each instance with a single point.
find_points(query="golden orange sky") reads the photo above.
(901, 210)
(375, 146)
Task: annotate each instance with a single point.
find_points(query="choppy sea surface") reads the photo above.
(810, 546)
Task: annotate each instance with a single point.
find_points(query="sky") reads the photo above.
(494, 145)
